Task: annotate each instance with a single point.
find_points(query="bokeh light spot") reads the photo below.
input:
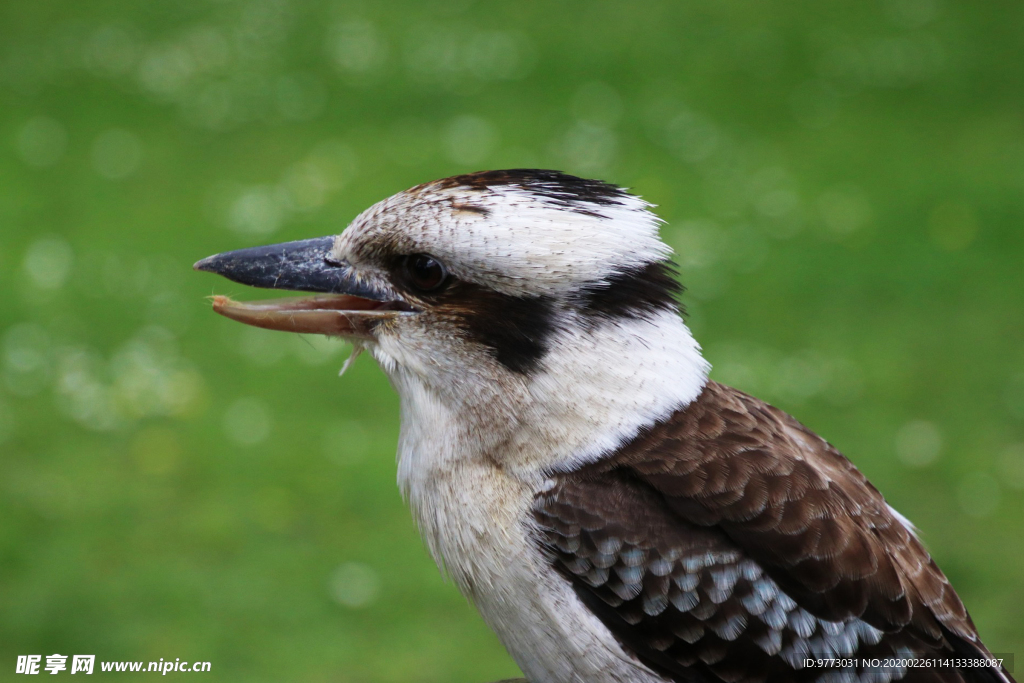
(498, 55)
(773, 194)
(111, 50)
(116, 154)
(259, 346)
(83, 393)
(165, 70)
(470, 139)
(27, 362)
(211, 106)
(912, 13)
(354, 585)
(309, 183)
(588, 149)
(692, 137)
(209, 49)
(356, 47)
(48, 262)
(259, 211)
(802, 376)
(844, 210)
(247, 421)
(918, 443)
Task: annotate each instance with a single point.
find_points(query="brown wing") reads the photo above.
(730, 542)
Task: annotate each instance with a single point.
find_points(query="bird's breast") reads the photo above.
(473, 519)
(478, 524)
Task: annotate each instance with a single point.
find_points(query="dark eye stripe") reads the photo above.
(518, 329)
(635, 293)
(515, 329)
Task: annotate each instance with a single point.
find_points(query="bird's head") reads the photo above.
(487, 294)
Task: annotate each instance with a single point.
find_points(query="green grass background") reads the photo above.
(843, 183)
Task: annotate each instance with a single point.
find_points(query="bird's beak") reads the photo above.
(348, 305)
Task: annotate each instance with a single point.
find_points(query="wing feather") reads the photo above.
(730, 542)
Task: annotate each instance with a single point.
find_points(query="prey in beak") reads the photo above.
(347, 304)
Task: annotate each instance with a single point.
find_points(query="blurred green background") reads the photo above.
(843, 183)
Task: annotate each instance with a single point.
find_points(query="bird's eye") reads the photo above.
(425, 272)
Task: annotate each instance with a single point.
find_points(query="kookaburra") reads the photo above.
(614, 514)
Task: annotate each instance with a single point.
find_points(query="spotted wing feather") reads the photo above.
(729, 543)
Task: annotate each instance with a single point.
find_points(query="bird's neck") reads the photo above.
(596, 389)
(602, 386)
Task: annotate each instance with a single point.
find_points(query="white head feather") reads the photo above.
(546, 239)
(510, 238)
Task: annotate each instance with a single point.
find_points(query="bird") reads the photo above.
(613, 513)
